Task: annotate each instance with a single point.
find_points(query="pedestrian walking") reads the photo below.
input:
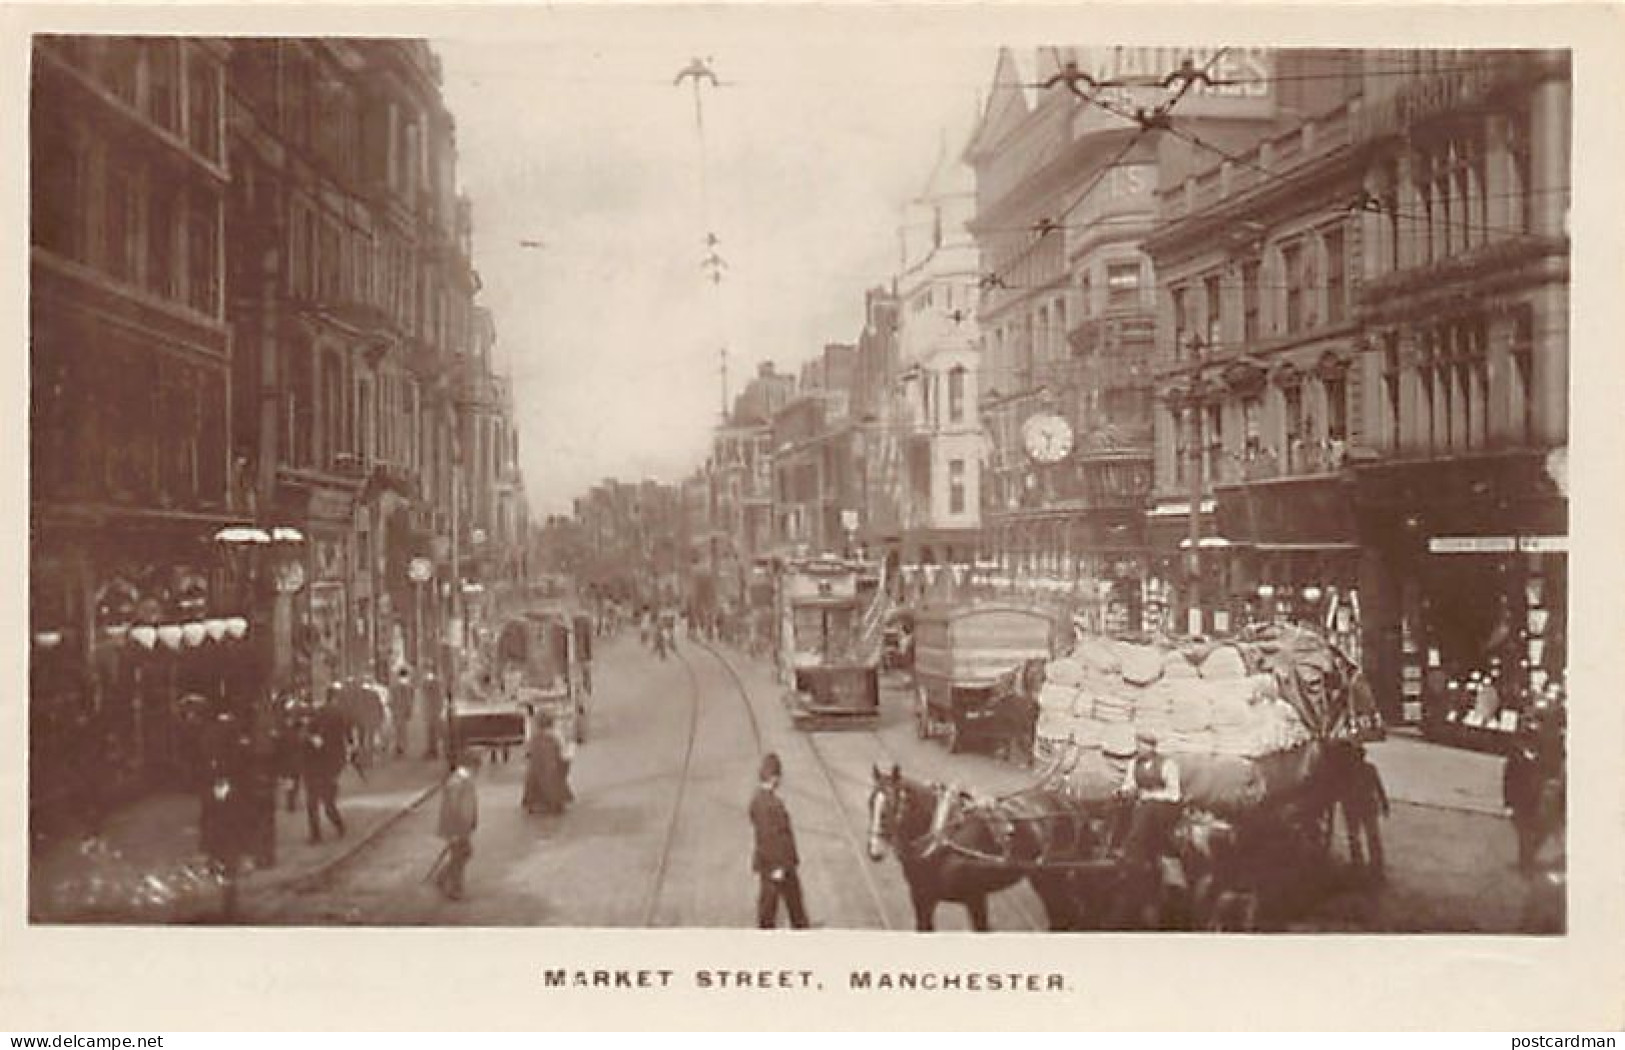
(400, 708)
(433, 698)
(459, 816)
(322, 760)
(547, 768)
(774, 859)
(1532, 788)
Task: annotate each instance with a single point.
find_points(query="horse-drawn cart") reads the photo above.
(961, 654)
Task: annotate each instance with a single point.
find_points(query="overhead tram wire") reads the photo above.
(1147, 120)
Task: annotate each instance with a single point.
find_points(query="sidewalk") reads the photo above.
(146, 865)
(1427, 774)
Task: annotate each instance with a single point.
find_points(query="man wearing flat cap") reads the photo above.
(1152, 781)
(774, 859)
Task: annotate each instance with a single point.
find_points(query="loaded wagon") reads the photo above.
(964, 659)
(829, 642)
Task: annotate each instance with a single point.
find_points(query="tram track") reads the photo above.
(663, 864)
(863, 863)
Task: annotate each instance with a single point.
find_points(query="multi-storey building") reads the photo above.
(1464, 366)
(131, 471)
(354, 314)
(816, 446)
(1254, 400)
(1065, 199)
(1363, 369)
(935, 422)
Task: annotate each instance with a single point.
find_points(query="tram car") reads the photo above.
(828, 653)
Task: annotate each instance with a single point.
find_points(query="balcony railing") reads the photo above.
(1299, 459)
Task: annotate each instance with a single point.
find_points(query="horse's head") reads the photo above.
(885, 810)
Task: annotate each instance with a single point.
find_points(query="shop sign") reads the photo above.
(1498, 544)
(1472, 545)
(1420, 98)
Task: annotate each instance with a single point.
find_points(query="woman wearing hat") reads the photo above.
(1152, 781)
(774, 859)
(547, 771)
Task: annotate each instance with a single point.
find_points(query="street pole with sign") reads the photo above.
(419, 571)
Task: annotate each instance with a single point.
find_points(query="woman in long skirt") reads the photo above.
(547, 774)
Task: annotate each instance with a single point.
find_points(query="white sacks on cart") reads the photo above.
(1235, 715)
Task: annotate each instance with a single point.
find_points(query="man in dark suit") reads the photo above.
(322, 760)
(774, 860)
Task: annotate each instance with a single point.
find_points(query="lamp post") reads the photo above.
(1193, 561)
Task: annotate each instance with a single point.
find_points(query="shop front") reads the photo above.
(138, 632)
(1293, 555)
(1469, 567)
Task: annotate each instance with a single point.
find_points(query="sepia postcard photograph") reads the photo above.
(711, 470)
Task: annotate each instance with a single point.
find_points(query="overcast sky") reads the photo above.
(611, 330)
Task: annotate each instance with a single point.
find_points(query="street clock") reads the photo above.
(1047, 437)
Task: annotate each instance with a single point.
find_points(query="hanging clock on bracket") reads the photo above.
(1047, 437)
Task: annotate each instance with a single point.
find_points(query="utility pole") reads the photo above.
(723, 354)
(1193, 562)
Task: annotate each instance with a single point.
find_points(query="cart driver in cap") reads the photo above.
(1152, 782)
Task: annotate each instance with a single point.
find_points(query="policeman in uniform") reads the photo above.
(775, 857)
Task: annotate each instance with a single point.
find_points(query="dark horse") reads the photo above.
(953, 849)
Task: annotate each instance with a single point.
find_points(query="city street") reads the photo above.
(659, 836)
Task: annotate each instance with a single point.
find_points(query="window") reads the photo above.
(1086, 294)
(120, 63)
(956, 486)
(122, 223)
(1213, 295)
(1292, 401)
(162, 224)
(202, 255)
(1390, 387)
(1337, 408)
(1523, 363)
(163, 83)
(1181, 322)
(1336, 281)
(956, 394)
(1521, 171)
(1292, 267)
(1251, 417)
(58, 188)
(1122, 284)
(1182, 453)
(1213, 444)
(1249, 301)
